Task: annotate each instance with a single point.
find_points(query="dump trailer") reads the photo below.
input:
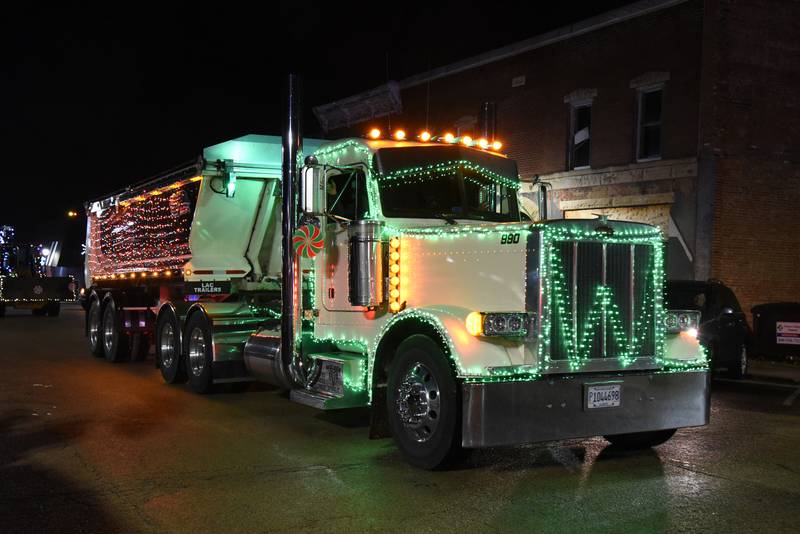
(25, 282)
(401, 275)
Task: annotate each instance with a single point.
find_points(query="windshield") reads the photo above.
(447, 182)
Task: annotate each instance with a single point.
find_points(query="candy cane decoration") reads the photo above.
(307, 241)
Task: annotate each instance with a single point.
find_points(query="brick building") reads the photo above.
(682, 113)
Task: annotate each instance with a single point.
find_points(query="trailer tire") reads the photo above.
(197, 351)
(94, 328)
(116, 343)
(168, 349)
(423, 404)
(640, 440)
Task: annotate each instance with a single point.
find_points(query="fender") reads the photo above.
(470, 355)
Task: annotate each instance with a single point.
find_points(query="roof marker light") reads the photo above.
(483, 143)
(425, 136)
(400, 135)
(497, 145)
(374, 133)
(466, 140)
(449, 138)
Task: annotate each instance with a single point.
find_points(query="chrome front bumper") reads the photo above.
(554, 408)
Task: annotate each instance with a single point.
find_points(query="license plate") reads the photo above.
(605, 396)
(330, 379)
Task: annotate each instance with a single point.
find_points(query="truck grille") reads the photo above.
(602, 303)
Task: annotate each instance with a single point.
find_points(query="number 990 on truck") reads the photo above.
(399, 275)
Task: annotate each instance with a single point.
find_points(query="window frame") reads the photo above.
(640, 125)
(574, 106)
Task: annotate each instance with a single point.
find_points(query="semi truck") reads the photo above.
(26, 281)
(397, 274)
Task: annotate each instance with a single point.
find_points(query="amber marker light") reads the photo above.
(187, 272)
(466, 140)
(167, 273)
(374, 133)
(425, 136)
(483, 143)
(449, 138)
(497, 145)
(195, 178)
(474, 323)
(400, 135)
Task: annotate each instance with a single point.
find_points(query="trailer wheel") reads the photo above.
(94, 327)
(422, 404)
(116, 343)
(640, 440)
(197, 353)
(53, 309)
(168, 349)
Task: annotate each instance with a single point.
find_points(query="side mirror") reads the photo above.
(312, 190)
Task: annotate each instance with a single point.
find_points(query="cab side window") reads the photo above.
(347, 195)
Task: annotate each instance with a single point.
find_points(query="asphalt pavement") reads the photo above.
(86, 445)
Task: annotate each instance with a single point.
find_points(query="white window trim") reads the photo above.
(573, 106)
(640, 92)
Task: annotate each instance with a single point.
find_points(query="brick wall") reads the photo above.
(754, 129)
(533, 119)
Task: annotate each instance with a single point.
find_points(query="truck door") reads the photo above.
(347, 201)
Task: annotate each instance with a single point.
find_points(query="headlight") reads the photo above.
(498, 324)
(677, 321)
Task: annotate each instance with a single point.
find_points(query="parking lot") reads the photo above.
(87, 445)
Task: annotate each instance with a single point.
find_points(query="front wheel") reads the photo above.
(738, 367)
(422, 403)
(640, 440)
(198, 353)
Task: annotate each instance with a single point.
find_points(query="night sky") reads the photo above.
(94, 99)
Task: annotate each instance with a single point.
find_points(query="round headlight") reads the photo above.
(683, 320)
(515, 323)
(670, 321)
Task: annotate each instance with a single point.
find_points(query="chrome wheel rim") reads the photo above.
(418, 403)
(167, 345)
(197, 351)
(108, 332)
(743, 361)
(94, 326)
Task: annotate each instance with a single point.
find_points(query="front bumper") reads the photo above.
(554, 408)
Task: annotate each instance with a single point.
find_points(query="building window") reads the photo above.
(580, 139)
(648, 132)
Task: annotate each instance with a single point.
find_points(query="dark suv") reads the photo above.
(723, 327)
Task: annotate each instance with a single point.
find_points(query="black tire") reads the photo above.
(94, 328)
(424, 412)
(640, 440)
(197, 353)
(168, 349)
(738, 367)
(116, 343)
(140, 347)
(53, 309)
